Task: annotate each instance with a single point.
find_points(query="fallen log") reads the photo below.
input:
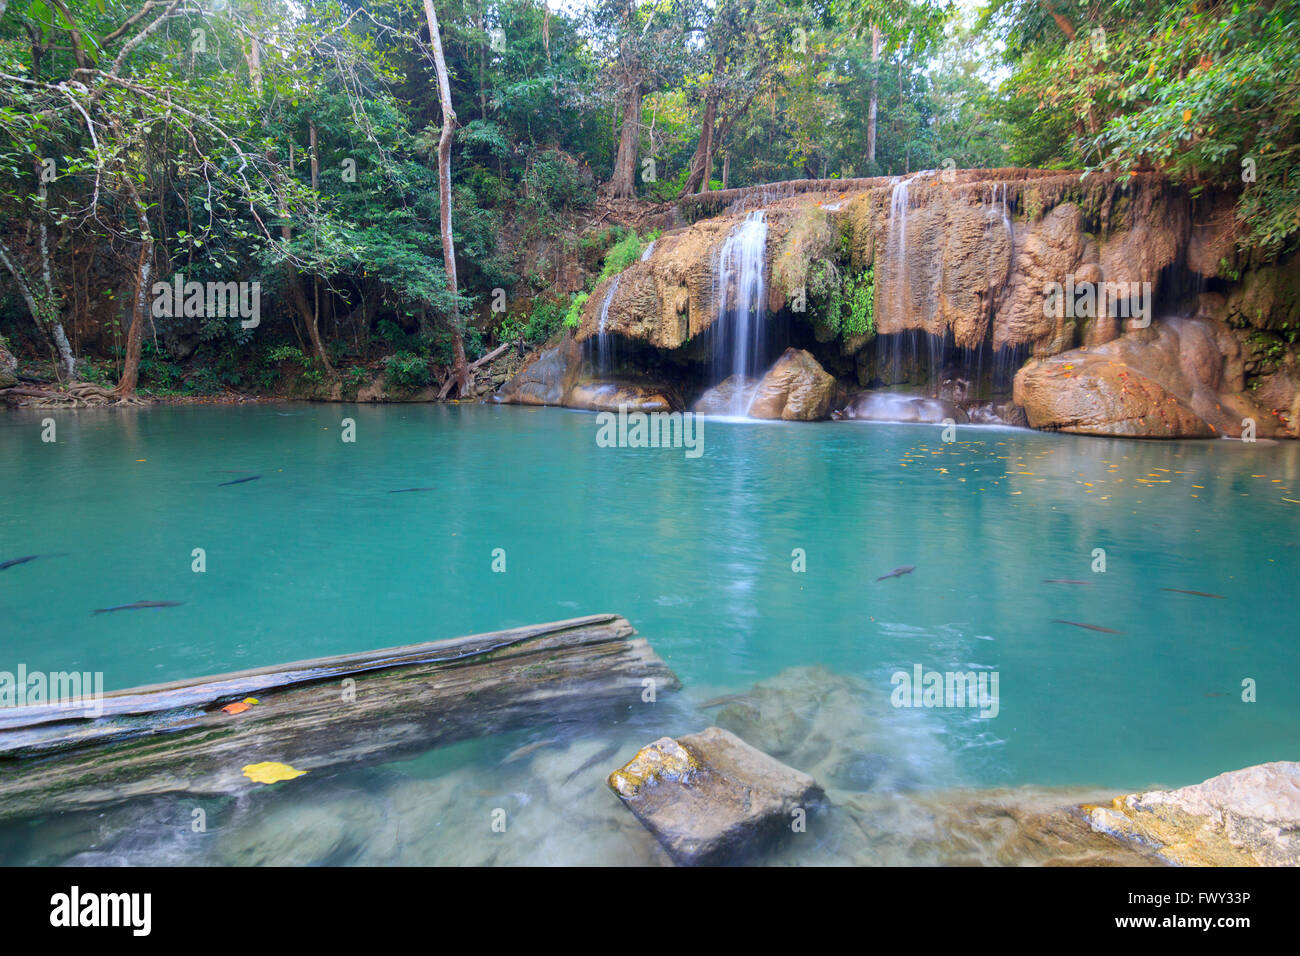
(490, 356)
(351, 709)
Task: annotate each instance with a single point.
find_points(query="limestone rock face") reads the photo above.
(796, 388)
(1171, 380)
(1279, 393)
(547, 380)
(598, 396)
(710, 797)
(1247, 817)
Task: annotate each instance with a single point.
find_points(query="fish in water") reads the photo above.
(526, 749)
(138, 605)
(1091, 627)
(1086, 584)
(14, 562)
(898, 572)
(605, 753)
(1197, 593)
(398, 491)
(239, 481)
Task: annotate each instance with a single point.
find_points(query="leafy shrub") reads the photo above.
(286, 353)
(621, 255)
(573, 318)
(406, 371)
(157, 375)
(860, 304)
(556, 180)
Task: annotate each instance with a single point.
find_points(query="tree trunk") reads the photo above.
(460, 373)
(623, 182)
(871, 108)
(140, 303)
(44, 314)
(1066, 27)
(702, 162)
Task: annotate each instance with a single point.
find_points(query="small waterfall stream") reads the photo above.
(604, 348)
(740, 290)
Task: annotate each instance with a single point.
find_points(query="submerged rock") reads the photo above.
(796, 388)
(838, 728)
(599, 396)
(710, 797)
(1247, 817)
(899, 407)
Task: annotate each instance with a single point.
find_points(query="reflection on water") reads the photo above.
(318, 558)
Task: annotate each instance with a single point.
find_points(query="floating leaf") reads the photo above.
(238, 707)
(271, 772)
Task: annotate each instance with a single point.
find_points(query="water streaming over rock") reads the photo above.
(740, 291)
(649, 250)
(604, 346)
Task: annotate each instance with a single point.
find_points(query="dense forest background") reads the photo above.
(295, 143)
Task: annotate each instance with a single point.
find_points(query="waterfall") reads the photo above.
(604, 350)
(648, 250)
(896, 248)
(740, 291)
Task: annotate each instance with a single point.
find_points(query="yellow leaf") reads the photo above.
(1187, 116)
(271, 772)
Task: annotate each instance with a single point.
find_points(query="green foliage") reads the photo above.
(1207, 92)
(573, 317)
(859, 314)
(158, 375)
(407, 372)
(842, 303)
(621, 255)
(286, 353)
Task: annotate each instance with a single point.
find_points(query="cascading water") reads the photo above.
(604, 350)
(649, 250)
(740, 292)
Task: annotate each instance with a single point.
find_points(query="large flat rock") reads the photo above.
(711, 798)
(1247, 817)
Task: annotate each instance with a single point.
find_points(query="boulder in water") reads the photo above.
(710, 798)
(597, 396)
(1169, 380)
(795, 389)
(548, 379)
(1247, 817)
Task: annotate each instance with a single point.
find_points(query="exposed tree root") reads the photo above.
(76, 395)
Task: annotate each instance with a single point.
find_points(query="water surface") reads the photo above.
(319, 556)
